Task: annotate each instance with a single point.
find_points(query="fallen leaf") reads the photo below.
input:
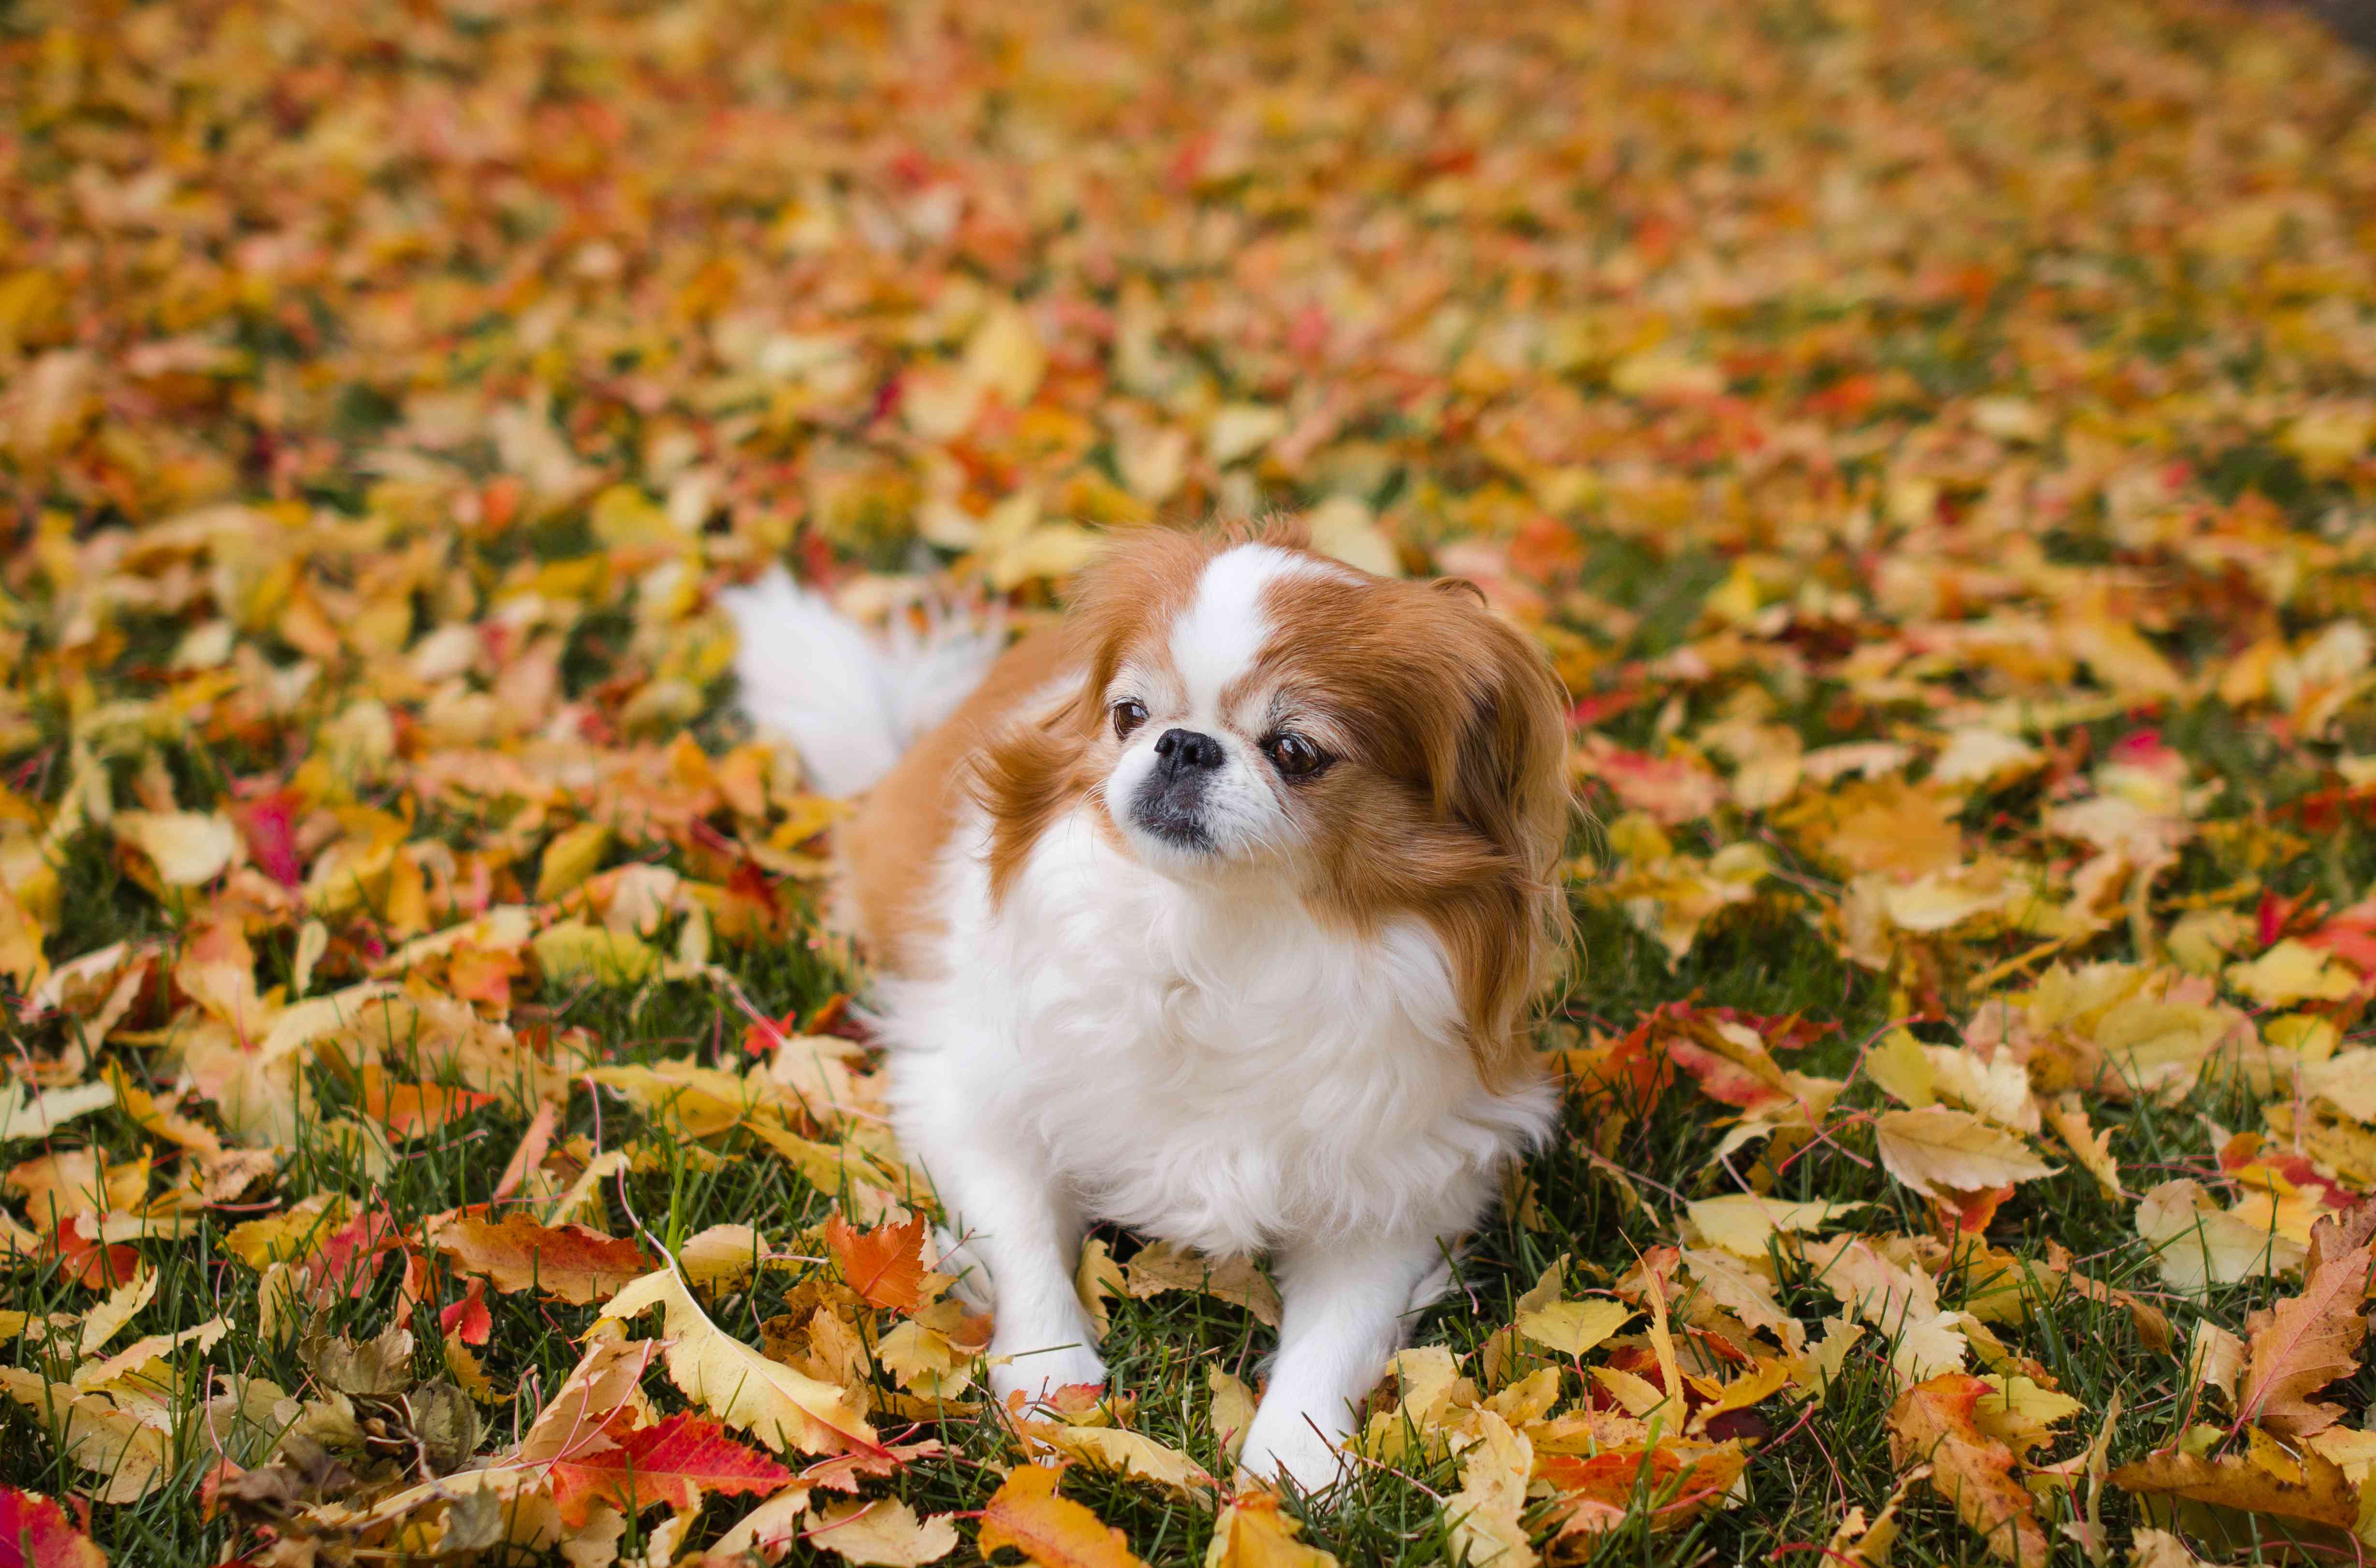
(1255, 1531)
(1934, 1423)
(1938, 1150)
(782, 1407)
(884, 1531)
(36, 1533)
(676, 1462)
(567, 1261)
(885, 1265)
(1053, 1531)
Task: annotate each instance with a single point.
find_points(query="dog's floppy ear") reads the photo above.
(1508, 785)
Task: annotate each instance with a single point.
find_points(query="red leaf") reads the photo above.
(36, 1533)
(469, 1319)
(674, 1463)
(885, 1265)
(351, 1257)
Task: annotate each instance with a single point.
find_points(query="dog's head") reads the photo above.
(1258, 717)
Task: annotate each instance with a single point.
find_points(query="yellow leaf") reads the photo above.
(1052, 1531)
(1234, 1410)
(1937, 1149)
(1166, 1267)
(2290, 972)
(1740, 1223)
(1662, 372)
(187, 848)
(1254, 1531)
(131, 1458)
(1344, 527)
(571, 858)
(1097, 1281)
(1123, 1454)
(883, 1531)
(1239, 430)
(779, 1407)
(1004, 355)
(573, 951)
(1489, 1530)
(1573, 1327)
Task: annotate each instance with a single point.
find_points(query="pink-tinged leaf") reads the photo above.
(268, 823)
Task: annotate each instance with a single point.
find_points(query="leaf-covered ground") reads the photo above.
(1933, 441)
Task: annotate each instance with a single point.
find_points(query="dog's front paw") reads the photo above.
(1038, 1373)
(1285, 1445)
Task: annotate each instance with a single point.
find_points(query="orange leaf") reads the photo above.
(1052, 1531)
(410, 1109)
(885, 1265)
(571, 1262)
(674, 1462)
(35, 1533)
(1933, 1422)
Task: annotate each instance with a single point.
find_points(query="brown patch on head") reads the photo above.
(1447, 796)
(1035, 772)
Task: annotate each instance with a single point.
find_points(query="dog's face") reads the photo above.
(1222, 742)
(1262, 718)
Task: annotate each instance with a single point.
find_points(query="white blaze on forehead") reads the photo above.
(1223, 633)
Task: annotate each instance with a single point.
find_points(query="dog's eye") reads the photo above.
(1128, 715)
(1294, 755)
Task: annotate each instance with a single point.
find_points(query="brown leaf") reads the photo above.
(2305, 1342)
(2307, 1487)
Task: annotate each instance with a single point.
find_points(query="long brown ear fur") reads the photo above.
(1509, 784)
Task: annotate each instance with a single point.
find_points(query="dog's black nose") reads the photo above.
(1183, 750)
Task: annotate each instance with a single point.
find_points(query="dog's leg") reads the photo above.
(1014, 1219)
(1347, 1303)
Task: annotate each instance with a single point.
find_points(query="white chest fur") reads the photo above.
(1202, 1063)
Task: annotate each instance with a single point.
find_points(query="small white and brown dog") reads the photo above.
(1215, 911)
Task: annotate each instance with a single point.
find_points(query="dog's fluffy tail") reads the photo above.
(849, 698)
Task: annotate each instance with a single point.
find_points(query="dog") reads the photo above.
(1217, 911)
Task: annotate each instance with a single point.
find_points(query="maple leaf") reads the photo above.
(2304, 1342)
(675, 1462)
(884, 1532)
(782, 1407)
(1934, 1422)
(568, 1262)
(1053, 1531)
(36, 1533)
(885, 1265)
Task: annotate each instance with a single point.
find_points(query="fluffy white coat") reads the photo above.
(1194, 1057)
